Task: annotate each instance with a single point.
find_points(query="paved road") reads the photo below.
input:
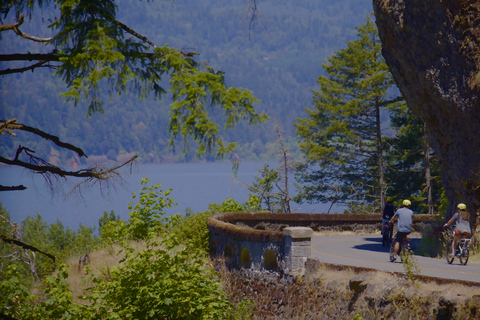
(367, 251)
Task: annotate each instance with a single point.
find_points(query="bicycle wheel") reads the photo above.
(464, 256)
(384, 237)
(448, 252)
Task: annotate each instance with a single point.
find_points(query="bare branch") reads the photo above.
(12, 188)
(108, 173)
(52, 56)
(21, 70)
(132, 32)
(17, 126)
(30, 37)
(10, 26)
(96, 172)
(14, 27)
(25, 246)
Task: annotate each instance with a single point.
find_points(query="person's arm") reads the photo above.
(452, 220)
(391, 220)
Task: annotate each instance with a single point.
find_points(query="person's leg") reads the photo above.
(400, 238)
(397, 247)
(454, 243)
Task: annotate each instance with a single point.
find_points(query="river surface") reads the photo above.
(195, 186)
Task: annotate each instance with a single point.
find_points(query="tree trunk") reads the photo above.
(428, 174)
(381, 175)
(433, 51)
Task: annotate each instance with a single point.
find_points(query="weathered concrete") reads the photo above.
(298, 248)
(243, 240)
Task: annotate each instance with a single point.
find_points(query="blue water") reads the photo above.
(194, 185)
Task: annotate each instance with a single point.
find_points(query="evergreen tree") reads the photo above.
(411, 166)
(342, 138)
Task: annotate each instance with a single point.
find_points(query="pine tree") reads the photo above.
(412, 167)
(342, 138)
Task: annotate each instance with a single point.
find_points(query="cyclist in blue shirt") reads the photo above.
(404, 226)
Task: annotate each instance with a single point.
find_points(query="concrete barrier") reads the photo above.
(279, 241)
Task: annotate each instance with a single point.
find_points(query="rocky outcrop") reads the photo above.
(432, 49)
(334, 294)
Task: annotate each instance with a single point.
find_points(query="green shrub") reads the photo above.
(433, 240)
(162, 282)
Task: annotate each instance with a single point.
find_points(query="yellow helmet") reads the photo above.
(462, 206)
(407, 203)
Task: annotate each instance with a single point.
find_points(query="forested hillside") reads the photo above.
(278, 57)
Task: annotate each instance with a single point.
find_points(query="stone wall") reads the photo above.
(280, 242)
(332, 292)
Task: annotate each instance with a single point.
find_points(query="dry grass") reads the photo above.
(385, 277)
(101, 262)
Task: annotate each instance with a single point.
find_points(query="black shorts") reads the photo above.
(401, 236)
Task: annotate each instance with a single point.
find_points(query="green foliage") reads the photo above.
(267, 189)
(113, 232)
(106, 218)
(97, 52)
(274, 60)
(433, 240)
(16, 299)
(406, 162)
(359, 208)
(410, 265)
(191, 230)
(340, 138)
(244, 309)
(53, 239)
(162, 282)
(230, 205)
(146, 218)
(59, 303)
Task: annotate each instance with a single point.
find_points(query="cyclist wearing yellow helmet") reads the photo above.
(404, 226)
(462, 225)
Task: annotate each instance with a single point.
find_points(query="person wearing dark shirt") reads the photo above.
(388, 213)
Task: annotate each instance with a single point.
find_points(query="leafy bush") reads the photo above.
(146, 216)
(164, 281)
(433, 240)
(191, 230)
(230, 205)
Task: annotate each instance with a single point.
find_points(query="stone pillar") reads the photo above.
(297, 248)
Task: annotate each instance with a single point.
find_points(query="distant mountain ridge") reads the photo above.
(278, 57)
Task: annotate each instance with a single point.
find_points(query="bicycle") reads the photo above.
(462, 251)
(405, 247)
(386, 240)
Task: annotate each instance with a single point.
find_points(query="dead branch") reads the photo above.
(95, 172)
(25, 246)
(21, 70)
(10, 124)
(105, 174)
(132, 32)
(12, 188)
(14, 27)
(52, 56)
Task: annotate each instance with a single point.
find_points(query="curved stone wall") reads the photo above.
(262, 241)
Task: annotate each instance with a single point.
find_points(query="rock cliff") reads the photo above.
(432, 49)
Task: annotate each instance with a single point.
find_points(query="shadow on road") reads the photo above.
(375, 244)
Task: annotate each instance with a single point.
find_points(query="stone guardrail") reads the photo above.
(279, 241)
